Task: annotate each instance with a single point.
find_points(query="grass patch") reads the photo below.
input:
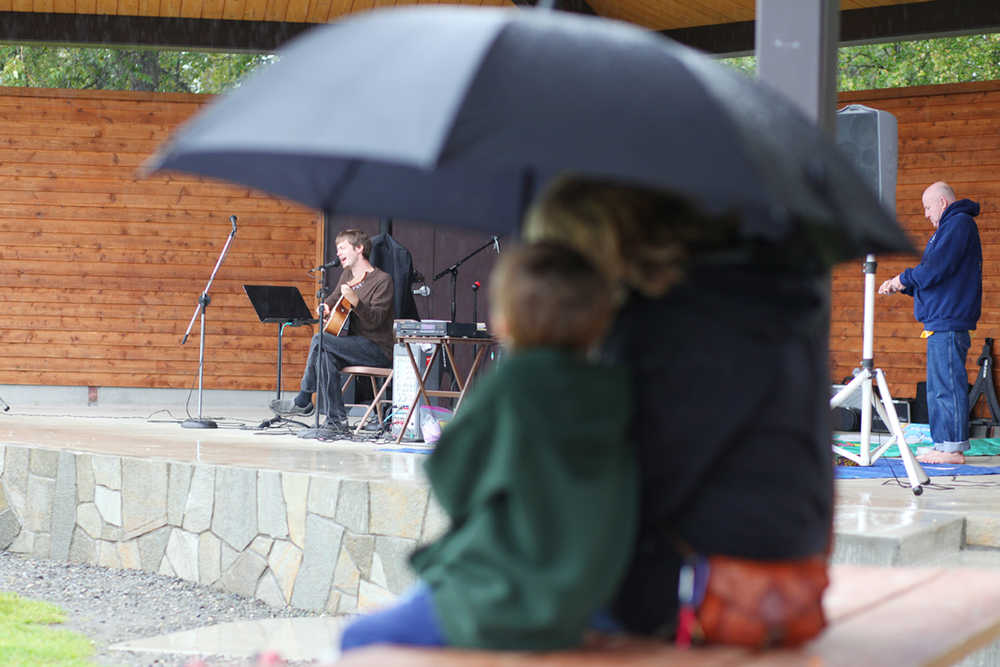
(26, 638)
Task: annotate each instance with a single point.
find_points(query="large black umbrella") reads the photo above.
(460, 115)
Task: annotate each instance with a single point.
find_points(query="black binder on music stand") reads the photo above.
(284, 305)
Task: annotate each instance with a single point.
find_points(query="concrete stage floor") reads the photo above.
(878, 512)
(154, 431)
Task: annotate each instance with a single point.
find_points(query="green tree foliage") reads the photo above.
(124, 69)
(865, 67)
(915, 63)
(920, 63)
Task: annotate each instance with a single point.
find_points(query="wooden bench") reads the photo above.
(877, 616)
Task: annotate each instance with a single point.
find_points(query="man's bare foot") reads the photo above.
(935, 456)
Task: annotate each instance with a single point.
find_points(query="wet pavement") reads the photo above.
(307, 638)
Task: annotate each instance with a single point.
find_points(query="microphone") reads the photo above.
(423, 290)
(496, 244)
(232, 219)
(333, 263)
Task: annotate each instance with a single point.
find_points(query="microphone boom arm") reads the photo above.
(203, 299)
(453, 270)
(494, 241)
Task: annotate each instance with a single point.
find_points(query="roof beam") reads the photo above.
(920, 20)
(572, 6)
(147, 31)
(917, 20)
(171, 32)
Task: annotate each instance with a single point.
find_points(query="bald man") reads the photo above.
(947, 291)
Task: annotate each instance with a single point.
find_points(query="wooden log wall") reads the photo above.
(102, 268)
(949, 133)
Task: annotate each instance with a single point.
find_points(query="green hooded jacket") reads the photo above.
(540, 483)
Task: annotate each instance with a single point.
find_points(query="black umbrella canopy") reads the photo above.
(461, 115)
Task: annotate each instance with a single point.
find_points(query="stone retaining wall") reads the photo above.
(309, 540)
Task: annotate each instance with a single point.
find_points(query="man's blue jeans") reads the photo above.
(948, 390)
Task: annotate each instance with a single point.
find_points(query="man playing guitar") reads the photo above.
(364, 294)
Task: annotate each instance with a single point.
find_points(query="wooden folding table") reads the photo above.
(446, 343)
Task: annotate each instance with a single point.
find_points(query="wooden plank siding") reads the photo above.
(949, 133)
(102, 268)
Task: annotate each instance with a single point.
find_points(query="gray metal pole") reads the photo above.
(796, 48)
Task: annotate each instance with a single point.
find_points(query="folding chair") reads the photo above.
(371, 372)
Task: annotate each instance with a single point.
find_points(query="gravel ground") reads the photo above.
(111, 606)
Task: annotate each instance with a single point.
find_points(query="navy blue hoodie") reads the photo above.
(947, 285)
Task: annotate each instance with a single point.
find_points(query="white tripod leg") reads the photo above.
(855, 385)
(914, 471)
(866, 419)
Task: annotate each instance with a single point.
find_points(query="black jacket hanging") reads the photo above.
(392, 257)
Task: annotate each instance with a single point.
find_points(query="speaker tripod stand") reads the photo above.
(983, 387)
(883, 405)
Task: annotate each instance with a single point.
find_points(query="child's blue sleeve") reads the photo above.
(411, 621)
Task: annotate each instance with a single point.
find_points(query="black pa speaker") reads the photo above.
(870, 140)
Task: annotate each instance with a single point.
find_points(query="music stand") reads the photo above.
(284, 305)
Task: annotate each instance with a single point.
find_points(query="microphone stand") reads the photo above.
(321, 295)
(475, 313)
(475, 303)
(203, 302)
(453, 269)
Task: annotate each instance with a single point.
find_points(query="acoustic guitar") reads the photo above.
(339, 319)
(340, 313)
